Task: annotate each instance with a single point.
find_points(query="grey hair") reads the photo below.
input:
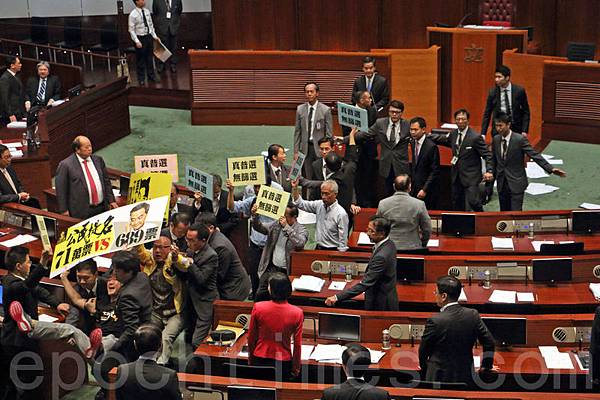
(43, 64)
(332, 185)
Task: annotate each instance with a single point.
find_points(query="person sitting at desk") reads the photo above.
(272, 325)
(379, 282)
(355, 362)
(11, 190)
(446, 350)
(43, 89)
(12, 100)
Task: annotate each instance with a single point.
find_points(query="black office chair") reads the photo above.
(561, 249)
(38, 34)
(580, 51)
(438, 385)
(109, 41)
(71, 37)
(250, 371)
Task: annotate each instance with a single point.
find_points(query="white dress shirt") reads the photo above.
(419, 145)
(95, 177)
(136, 24)
(332, 222)
(9, 179)
(448, 305)
(312, 123)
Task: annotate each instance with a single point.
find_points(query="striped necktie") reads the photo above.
(42, 92)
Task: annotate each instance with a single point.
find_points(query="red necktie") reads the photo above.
(93, 188)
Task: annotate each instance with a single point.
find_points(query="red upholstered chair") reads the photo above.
(497, 12)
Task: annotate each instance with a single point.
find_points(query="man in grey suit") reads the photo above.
(233, 282)
(379, 282)
(508, 164)
(282, 238)
(468, 149)
(446, 349)
(313, 121)
(393, 134)
(167, 18)
(83, 186)
(410, 222)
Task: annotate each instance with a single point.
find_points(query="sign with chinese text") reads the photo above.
(199, 181)
(149, 185)
(353, 116)
(110, 231)
(297, 167)
(271, 202)
(244, 171)
(163, 163)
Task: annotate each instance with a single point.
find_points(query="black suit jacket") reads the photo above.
(317, 168)
(233, 282)
(426, 171)
(180, 242)
(7, 194)
(379, 281)
(344, 177)
(28, 292)
(12, 97)
(133, 308)
(595, 345)
(380, 90)
(152, 373)
(71, 189)
(52, 89)
(473, 148)
(511, 169)
(446, 349)
(159, 17)
(354, 389)
(519, 109)
(226, 221)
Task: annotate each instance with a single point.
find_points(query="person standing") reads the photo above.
(12, 96)
(167, 14)
(141, 30)
(425, 167)
(373, 83)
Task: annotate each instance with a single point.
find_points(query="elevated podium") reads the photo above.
(468, 60)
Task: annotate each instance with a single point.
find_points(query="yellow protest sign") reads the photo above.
(149, 185)
(271, 202)
(244, 171)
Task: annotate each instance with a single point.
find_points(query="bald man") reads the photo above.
(83, 187)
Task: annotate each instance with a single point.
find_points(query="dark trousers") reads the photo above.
(366, 176)
(13, 390)
(283, 369)
(465, 198)
(143, 58)
(431, 198)
(170, 42)
(510, 201)
(253, 256)
(262, 294)
(388, 189)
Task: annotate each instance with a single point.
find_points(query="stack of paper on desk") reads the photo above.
(308, 283)
(537, 244)
(333, 353)
(502, 243)
(555, 359)
(18, 240)
(503, 296)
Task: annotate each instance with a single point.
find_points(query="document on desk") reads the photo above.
(336, 285)
(463, 295)
(502, 243)
(525, 297)
(447, 125)
(537, 244)
(376, 355)
(503, 296)
(17, 124)
(433, 243)
(477, 361)
(363, 239)
(307, 350)
(327, 352)
(18, 240)
(308, 283)
(595, 289)
(559, 361)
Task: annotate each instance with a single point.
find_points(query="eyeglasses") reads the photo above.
(395, 112)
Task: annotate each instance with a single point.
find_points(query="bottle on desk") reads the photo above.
(487, 284)
(531, 231)
(385, 340)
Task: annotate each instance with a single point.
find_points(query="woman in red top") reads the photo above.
(272, 325)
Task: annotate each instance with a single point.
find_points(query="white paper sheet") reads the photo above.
(336, 285)
(503, 296)
(16, 153)
(18, 240)
(590, 206)
(534, 171)
(363, 239)
(448, 125)
(306, 352)
(540, 188)
(103, 262)
(547, 156)
(463, 295)
(477, 361)
(537, 244)
(47, 318)
(595, 289)
(555, 162)
(327, 352)
(306, 218)
(308, 283)
(502, 243)
(548, 351)
(433, 243)
(525, 297)
(17, 124)
(13, 145)
(559, 361)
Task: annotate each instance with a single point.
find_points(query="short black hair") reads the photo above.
(207, 219)
(317, 88)
(281, 287)
(462, 111)
(356, 358)
(368, 59)
(180, 218)
(382, 225)
(88, 265)
(402, 182)
(420, 121)
(10, 60)
(126, 261)
(3, 148)
(293, 210)
(500, 117)
(357, 95)
(14, 256)
(202, 230)
(325, 139)
(274, 150)
(147, 339)
(145, 206)
(503, 69)
(450, 285)
(397, 104)
(333, 161)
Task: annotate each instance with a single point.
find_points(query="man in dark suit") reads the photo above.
(144, 378)
(379, 282)
(43, 89)
(313, 121)
(508, 98)
(167, 18)
(12, 96)
(83, 186)
(508, 164)
(446, 349)
(374, 83)
(425, 166)
(355, 362)
(280, 172)
(175, 207)
(177, 229)
(393, 134)
(319, 167)
(468, 149)
(594, 374)
(233, 282)
(226, 220)
(88, 286)
(11, 190)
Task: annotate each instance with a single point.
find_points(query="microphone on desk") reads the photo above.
(470, 278)
(460, 23)
(412, 340)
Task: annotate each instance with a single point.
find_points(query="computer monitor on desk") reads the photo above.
(51, 227)
(458, 224)
(410, 269)
(343, 327)
(507, 331)
(585, 221)
(552, 270)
